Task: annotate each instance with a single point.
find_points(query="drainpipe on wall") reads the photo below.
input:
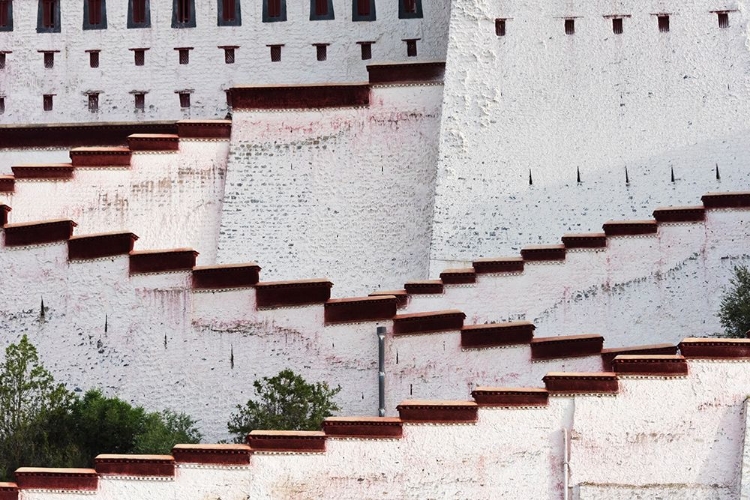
(381, 371)
(566, 465)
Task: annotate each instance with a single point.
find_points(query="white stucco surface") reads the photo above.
(20, 156)
(539, 100)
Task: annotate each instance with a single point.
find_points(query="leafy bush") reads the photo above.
(284, 402)
(735, 304)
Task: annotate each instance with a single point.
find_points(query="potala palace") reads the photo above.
(541, 202)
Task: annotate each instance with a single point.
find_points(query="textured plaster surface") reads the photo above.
(25, 79)
(340, 193)
(20, 156)
(542, 101)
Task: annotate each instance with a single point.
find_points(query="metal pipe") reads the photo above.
(381, 371)
(566, 465)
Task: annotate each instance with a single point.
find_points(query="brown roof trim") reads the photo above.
(288, 441)
(37, 233)
(421, 72)
(537, 253)
(572, 383)
(611, 353)
(567, 346)
(715, 348)
(226, 276)
(33, 478)
(135, 465)
(498, 265)
(154, 142)
(588, 240)
(497, 334)
(442, 412)
(680, 214)
(738, 199)
(161, 261)
(7, 183)
(8, 491)
(510, 396)
(204, 129)
(428, 322)
(402, 298)
(300, 96)
(458, 276)
(363, 427)
(72, 135)
(96, 246)
(112, 156)
(650, 364)
(355, 309)
(292, 293)
(423, 287)
(52, 171)
(214, 454)
(630, 227)
(4, 210)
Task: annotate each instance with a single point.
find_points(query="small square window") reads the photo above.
(723, 19)
(2, 60)
(663, 23)
(47, 101)
(93, 102)
(140, 101)
(275, 53)
(321, 51)
(411, 48)
(617, 26)
(184, 56)
(570, 26)
(184, 99)
(140, 57)
(49, 60)
(94, 59)
(229, 55)
(500, 27)
(2, 105)
(366, 50)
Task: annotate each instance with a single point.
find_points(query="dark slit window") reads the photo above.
(723, 19)
(2, 105)
(2, 60)
(570, 26)
(140, 101)
(47, 102)
(139, 56)
(275, 53)
(411, 48)
(617, 26)
(229, 55)
(6, 15)
(184, 99)
(663, 23)
(321, 51)
(93, 103)
(366, 50)
(500, 27)
(94, 58)
(49, 60)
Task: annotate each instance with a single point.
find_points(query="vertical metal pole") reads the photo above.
(381, 371)
(566, 465)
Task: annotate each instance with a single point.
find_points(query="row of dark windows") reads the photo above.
(183, 13)
(617, 23)
(139, 98)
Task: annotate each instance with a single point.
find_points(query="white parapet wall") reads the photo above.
(528, 114)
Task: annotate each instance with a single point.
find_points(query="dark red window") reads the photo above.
(617, 26)
(366, 50)
(184, 56)
(95, 12)
(229, 55)
(363, 7)
(500, 27)
(274, 8)
(48, 102)
(139, 11)
(49, 60)
(93, 103)
(570, 26)
(411, 48)
(140, 101)
(723, 19)
(140, 57)
(410, 6)
(321, 7)
(94, 59)
(184, 99)
(228, 9)
(183, 11)
(275, 53)
(2, 60)
(48, 13)
(664, 24)
(2, 105)
(4, 8)
(322, 52)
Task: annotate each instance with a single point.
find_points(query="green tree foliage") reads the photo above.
(284, 402)
(161, 431)
(735, 305)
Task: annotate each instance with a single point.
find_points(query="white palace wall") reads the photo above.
(537, 100)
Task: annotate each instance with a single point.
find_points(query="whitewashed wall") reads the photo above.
(20, 156)
(24, 79)
(540, 100)
(658, 438)
(340, 193)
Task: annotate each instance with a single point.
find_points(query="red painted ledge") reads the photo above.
(226, 276)
(135, 465)
(4, 210)
(538, 253)
(586, 240)
(363, 427)
(498, 265)
(71, 135)
(100, 157)
(715, 348)
(204, 129)
(428, 322)
(650, 364)
(356, 309)
(154, 142)
(421, 72)
(424, 287)
(8, 491)
(510, 396)
(33, 478)
(287, 441)
(739, 199)
(96, 246)
(572, 383)
(292, 293)
(611, 353)
(680, 214)
(7, 183)
(402, 298)
(630, 227)
(442, 412)
(214, 454)
(38, 233)
(497, 334)
(300, 96)
(458, 276)
(160, 261)
(51, 171)
(567, 346)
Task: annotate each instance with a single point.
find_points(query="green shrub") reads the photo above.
(735, 305)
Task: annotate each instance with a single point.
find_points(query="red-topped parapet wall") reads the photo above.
(406, 73)
(497, 335)
(38, 233)
(8, 491)
(300, 96)
(204, 129)
(67, 480)
(287, 441)
(159, 261)
(112, 156)
(48, 171)
(292, 293)
(212, 454)
(226, 276)
(363, 427)
(135, 465)
(154, 142)
(70, 135)
(96, 246)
